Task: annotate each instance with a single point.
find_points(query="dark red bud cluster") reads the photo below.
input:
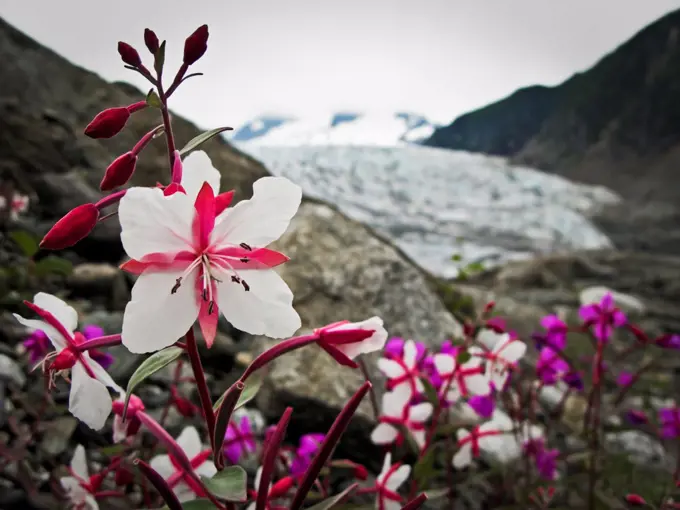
(129, 55)
(119, 172)
(151, 41)
(70, 229)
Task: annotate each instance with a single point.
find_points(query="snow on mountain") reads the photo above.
(435, 202)
(345, 128)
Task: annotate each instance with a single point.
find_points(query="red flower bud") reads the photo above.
(129, 55)
(281, 488)
(196, 45)
(151, 40)
(108, 123)
(360, 472)
(64, 360)
(71, 228)
(635, 500)
(119, 172)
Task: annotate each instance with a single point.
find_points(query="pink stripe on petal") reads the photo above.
(204, 220)
(222, 201)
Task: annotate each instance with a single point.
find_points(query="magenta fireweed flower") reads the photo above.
(197, 258)
(550, 367)
(403, 370)
(483, 405)
(239, 440)
(556, 331)
(636, 417)
(105, 359)
(624, 379)
(309, 445)
(603, 317)
(668, 341)
(37, 345)
(394, 349)
(670, 422)
(545, 460)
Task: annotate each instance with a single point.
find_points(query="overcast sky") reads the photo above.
(301, 57)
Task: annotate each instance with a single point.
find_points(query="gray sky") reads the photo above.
(435, 57)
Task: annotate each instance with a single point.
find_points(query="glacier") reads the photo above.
(434, 203)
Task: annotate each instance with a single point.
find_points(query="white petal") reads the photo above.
(153, 223)
(463, 456)
(262, 219)
(65, 314)
(91, 502)
(55, 337)
(489, 338)
(384, 433)
(477, 384)
(410, 353)
(184, 492)
(390, 368)
(499, 378)
(101, 374)
(119, 429)
(79, 463)
(197, 169)
(444, 363)
(89, 400)
(419, 437)
(258, 477)
(155, 317)
(206, 469)
(512, 351)
(394, 402)
(76, 493)
(502, 340)
(398, 477)
(265, 309)
(387, 463)
(162, 465)
(371, 344)
(420, 412)
(190, 442)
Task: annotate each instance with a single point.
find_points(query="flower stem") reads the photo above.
(97, 343)
(169, 137)
(276, 351)
(201, 385)
(372, 394)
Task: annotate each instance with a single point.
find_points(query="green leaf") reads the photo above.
(195, 504)
(328, 503)
(159, 60)
(202, 138)
(153, 100)
(28, 244)
(53, 265)
(150, 366)
(474, 267)
(424, 469)
(253, 385)
(115, 449)
(229, 484)
(430, 391)
(463, 357)
(457, 257)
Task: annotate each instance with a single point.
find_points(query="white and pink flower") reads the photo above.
(462, 380)
(78, 487)
(197, 257)
(397, 414)
(470, 443)
(391, 477)
(182, 484)
(403, 371)
(503, 358)
(347, 340)
(89, 400)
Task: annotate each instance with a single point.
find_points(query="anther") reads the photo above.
(177, 285)
(245, 260)
(205, 294)
(211, 307)
(245, 246)
(245, 285)
(235, 279)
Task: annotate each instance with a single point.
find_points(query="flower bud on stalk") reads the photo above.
(151, 41)
(111, 121)
(196, 45)
(129, 55)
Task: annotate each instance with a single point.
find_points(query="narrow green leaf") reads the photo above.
(153, 100)
(329, 503)
(25, 241)
(457, 257)
(253, 385)
(202, 138)
(159, 60)
(53, 265)
(430, 391)
(150, 366)
(229, 484)
(424, 469)
(435, 494)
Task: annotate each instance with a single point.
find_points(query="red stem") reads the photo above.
(276, 351)
(201, 385)
(97, 343)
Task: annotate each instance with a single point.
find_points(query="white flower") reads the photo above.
(463, 380)
(471, 443)
(190, 442)
(388, 482)
(77, 486)
(89, 400)
(403, 372)
(502, 358)
(397, 412)
(350, 338)
(198, 258)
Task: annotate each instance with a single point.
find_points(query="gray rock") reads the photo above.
(627, 303)
(11, 372)
(641, 448)
(57, 435)
(340, 270)
(100, 280)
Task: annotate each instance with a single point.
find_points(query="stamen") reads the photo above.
(245, 246)
(178, 284)
(211, 307)
(245, 285)
(235, 279)
(245, 260)
(189, 269)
